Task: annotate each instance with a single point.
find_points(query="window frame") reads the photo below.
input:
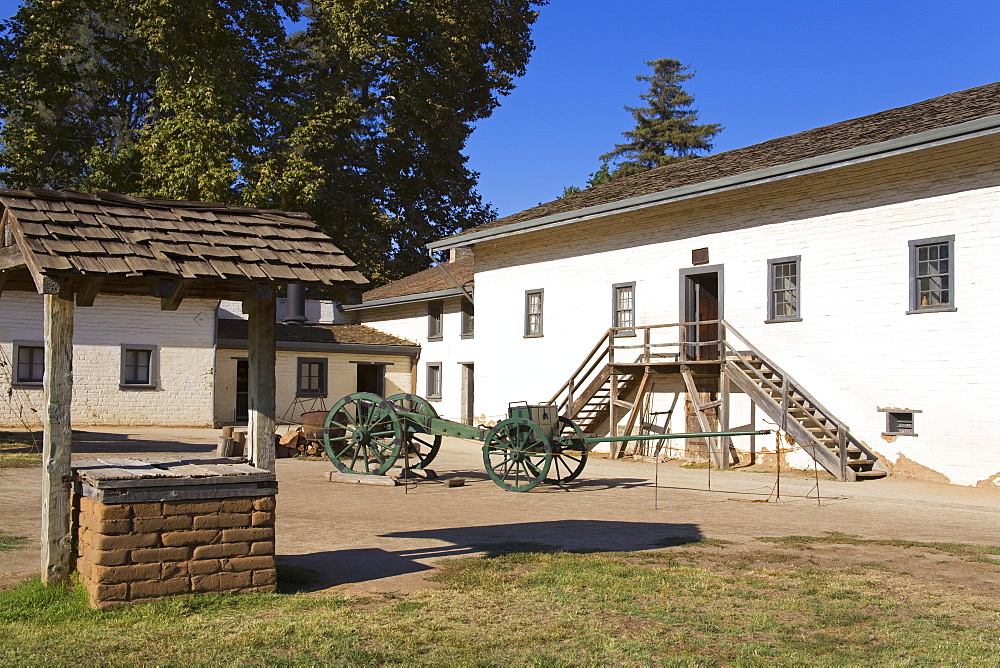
(772, 303)
(433, 393)
(914, 245)
(528, 333)
(17, 347)
(324, 366)
(615, 310)
(435, 320)
(892, 420)
(123, 382)
(468, 319)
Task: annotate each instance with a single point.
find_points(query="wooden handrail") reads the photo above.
(586, 359)
(788, 379)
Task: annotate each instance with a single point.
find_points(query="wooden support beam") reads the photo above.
(3, 282)
(172, 301)
(261, 356)
(612, 406)
(56, 448)
(725, 442)
(636, 409)
(703, 424)
(88, 291)
(11, 258)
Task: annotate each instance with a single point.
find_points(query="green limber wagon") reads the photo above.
(366, 434)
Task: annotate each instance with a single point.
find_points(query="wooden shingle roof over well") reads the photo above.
(955, 110)
(118, 238)
(426, 281)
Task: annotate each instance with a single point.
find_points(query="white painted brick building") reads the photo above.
(182, 351)
(873, 333)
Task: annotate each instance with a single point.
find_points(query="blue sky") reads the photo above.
(764, 69)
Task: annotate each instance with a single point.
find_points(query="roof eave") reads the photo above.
(967, 130)
(329, 347)
(403, 299)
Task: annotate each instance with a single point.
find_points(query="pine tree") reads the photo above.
(666, 130)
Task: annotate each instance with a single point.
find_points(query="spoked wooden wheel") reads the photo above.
(420, 445)
(517, 454)
(570, 453)
(362, 434)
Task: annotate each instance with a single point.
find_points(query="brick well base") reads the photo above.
(133, 552)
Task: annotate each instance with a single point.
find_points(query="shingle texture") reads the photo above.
(930, 114)
(428, 280)
(107, 234)
(233, 329)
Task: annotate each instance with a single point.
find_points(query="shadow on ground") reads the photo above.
(100, 442)
(321, 570)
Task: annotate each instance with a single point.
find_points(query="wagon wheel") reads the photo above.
(517, 454)
(362, 434)
(419, 444)
(570, 453)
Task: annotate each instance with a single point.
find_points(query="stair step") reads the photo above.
(869, 475)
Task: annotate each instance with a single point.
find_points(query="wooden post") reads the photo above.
(726, 442)
(261, 360)
(56, 445)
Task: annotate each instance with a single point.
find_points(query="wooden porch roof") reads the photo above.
(215, 249)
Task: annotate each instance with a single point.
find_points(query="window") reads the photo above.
(312, 377)
(932, 275)
(434, 380)
(138, 366)
(468, 318)
(783, 289)
(533, 312)
(898, 423)
(30, 362)
(623, 308)
(435, 332)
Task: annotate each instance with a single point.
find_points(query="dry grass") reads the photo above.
(682, 605)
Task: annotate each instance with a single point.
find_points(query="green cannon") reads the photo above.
(366, 434)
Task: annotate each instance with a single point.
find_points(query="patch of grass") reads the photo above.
(9, 542)
(530, 608)
(292, 579)
(696, 465)
(677, 541)
(967, 551)
(18, 450)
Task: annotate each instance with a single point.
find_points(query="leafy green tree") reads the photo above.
(666, 130)
(359, 119)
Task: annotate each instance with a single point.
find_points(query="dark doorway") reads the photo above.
(371, 379)
(701, 300)
(242, 413)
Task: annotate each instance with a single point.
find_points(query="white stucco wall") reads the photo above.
(409, 321)
(184, 341)
(856, 349)
(341, 380)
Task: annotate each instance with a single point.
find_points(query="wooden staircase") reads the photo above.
(600, 385)
(826, 438)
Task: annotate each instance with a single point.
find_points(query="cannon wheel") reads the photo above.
(362, 434)
(517, 454)
(420, 444)
(566, 466)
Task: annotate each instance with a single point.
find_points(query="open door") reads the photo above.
(701, 300)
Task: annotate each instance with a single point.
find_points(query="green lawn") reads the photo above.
(20, 449)
(687, 605)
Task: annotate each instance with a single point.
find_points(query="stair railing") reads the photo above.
(595, 360)
(842, 433)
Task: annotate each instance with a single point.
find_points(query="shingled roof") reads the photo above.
(939, 112)
(428, 280)
(235, 330)
(112, 236)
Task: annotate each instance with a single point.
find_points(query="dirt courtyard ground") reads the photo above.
(361, 539)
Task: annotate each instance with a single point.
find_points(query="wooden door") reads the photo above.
(702, 301)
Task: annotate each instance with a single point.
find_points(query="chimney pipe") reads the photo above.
(295, 305)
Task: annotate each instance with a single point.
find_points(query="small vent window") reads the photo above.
(899, 423)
